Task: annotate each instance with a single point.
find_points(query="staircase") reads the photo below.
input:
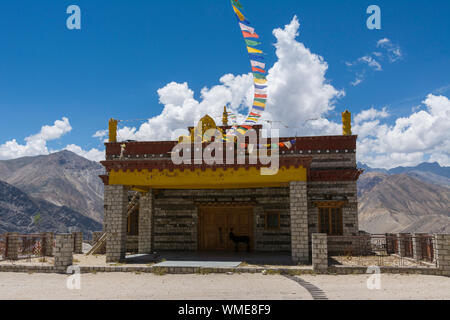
(101, 243)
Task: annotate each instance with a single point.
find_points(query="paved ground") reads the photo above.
(220, 286)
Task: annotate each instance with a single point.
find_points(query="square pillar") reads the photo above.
(417, 245)
(63, 251)
(12, 246)
(299, 222)
(47, 244)
(443, 253)
(320, 252)
(116, 203)
(401, 244)
(145, 223)
(78, 242)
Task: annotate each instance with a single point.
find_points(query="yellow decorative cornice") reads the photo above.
(240, 178)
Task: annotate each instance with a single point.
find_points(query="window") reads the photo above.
(330, 221)
(272, 220)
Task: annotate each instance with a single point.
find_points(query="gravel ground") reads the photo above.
(220, 286)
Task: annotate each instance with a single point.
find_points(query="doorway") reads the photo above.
(216, 223)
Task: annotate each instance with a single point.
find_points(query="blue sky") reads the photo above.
(127, 50)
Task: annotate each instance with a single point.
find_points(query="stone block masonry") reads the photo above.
(299, 222)
(145, 243)
(78, 242)
(417, 245)
(12, 251)
(443, 253)
(116, 203)
(63, 251)
(319, 252)
(47, 243)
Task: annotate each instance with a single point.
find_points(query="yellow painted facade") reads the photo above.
(207, 179)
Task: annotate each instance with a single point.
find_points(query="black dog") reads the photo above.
(239, 239)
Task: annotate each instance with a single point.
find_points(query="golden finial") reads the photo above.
(113, 130)
(225, 117)
(347, 123)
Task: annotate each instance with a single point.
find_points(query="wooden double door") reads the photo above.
(216, 223)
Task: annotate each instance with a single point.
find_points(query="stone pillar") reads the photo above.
(443, 253)
(47, 244)
(77, 242)
(12, 249)
(116, 203)
(63, 251)
(145, 223)
(299, 222)
(417, 245)
(319, 252)
(401, 245)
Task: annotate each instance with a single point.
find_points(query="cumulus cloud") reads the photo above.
(93, 154)
(35, 144)
(299, 95)
(422, 136)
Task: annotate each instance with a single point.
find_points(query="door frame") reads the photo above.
(200, 212)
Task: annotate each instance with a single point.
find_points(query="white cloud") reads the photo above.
(298, 94)
(371, 62)
(35, 144)
(388, 51)
(394, 52)
(93, 154)
(371, 114)
(422, 136)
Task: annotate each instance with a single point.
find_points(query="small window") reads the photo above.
(272, 220)
(330, 221)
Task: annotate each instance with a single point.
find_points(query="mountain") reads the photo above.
(433, 168)
(402, 203)
(427, 172)
(63, 179)
(18, 213)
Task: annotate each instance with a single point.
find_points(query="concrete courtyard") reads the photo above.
(221, 286)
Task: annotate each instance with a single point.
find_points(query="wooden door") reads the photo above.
(215, 224)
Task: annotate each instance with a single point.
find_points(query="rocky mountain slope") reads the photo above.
(63, 179)
(402, 203)
(22, 213)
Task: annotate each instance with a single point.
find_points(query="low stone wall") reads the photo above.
(353, 246)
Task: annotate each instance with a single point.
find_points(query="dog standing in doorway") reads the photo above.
(239, 239)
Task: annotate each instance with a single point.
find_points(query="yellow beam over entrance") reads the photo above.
(207, 179)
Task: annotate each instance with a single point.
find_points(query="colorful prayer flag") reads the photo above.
(238, 13)
(237, 4)
(246, 28)
(255, 69)
(253, 50)
(249, 35)
(260, 81)
(258, 64)
(252, 43)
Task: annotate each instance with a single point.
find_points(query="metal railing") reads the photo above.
(402, 250)
(30, 246)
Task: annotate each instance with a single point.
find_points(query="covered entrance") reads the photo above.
(216, 223)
